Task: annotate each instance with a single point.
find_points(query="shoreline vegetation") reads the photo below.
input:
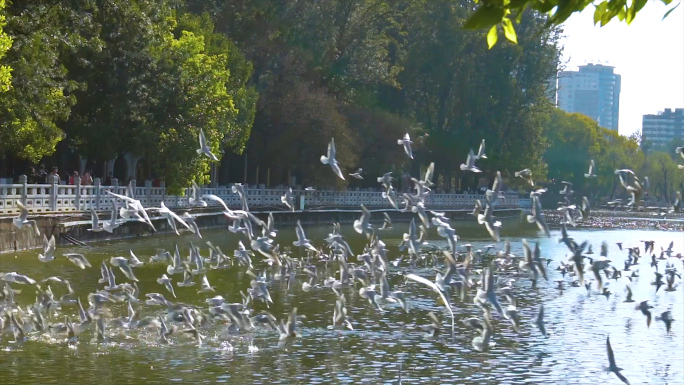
(270, 82)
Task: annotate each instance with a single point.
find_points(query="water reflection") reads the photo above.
(382, 344)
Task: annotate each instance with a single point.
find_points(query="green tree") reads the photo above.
(41, 94)
(574, 140)
(495, 15)
(5, 44)
(664, 177)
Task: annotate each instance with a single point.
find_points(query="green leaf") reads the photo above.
(484, 17)
(600, 10)
(671, 9)
(492, 37)
(509, 31)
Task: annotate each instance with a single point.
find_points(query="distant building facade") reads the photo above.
(663, 127)
(594, 91)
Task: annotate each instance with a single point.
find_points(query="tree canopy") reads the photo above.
(275, 80)
(495, 15)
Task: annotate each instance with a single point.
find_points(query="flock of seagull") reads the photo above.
(464, 276)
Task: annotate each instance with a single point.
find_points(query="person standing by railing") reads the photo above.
(54, 173)
(42, 175)
(74, 177)
(32, 176)
(87, 180)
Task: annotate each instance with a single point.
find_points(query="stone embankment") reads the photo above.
(72, 228)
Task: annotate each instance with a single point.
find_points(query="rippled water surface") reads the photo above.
(384, 347)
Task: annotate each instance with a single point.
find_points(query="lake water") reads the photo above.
(384, 347)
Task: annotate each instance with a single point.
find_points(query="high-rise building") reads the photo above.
(594, 91)
(662, 128)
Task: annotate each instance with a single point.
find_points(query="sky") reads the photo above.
(649, 54)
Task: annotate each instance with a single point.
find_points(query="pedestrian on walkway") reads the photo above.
(74, 178)
(87, 180)
(55, 173)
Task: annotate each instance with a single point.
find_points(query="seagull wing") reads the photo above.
(202, 141)
(434, 287)
(94, 219)
(24, 212)
(611, 357)
(331, 149)
(215, 198)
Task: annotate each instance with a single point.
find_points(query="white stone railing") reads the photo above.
(47, 198)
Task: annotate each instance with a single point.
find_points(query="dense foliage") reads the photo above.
(279, 79)
(276, 79)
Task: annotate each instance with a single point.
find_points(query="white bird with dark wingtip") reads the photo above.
(357, 174)
(406, 142)
(469, 165)
(204, 147)
(330, 159)
(22, 220)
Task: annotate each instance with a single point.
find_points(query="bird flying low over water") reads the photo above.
(612, 366)
(22, 220)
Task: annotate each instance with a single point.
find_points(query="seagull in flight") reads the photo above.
(611, 362)
(95, 227)
(301, 238)
(406, 142)
(330, 159)
(469, 165)
(592, 170)
(195, 199)
(22, 220)
(48, 249)
(357, 174)
(288, 199)
(204, 147)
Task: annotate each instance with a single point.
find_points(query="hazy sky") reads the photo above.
(649, 54)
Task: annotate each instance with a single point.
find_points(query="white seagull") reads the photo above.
(357, 174)
(469, 165)
(48, 249)
(406, 142)
(22, 220)
(204, 147)
(330, 159)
